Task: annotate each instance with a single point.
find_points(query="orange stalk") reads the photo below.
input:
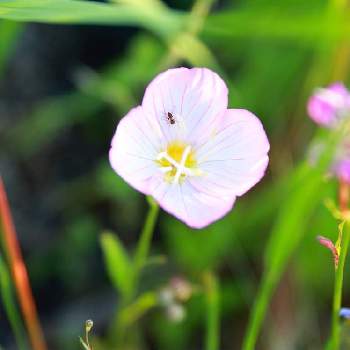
(344, 194)
(19, 274)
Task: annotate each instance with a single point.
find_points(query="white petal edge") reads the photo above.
(195, 208)
(235, 158)
(134, 149)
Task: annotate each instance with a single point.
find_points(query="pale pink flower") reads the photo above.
(186, 149)
(329, 105)
(341, 164)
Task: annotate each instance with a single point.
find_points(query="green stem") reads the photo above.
(139, 261)
(199, 13)
(213, 312)
(259, 310)
(11, 307)
(338, 286)
(194, 24)
(145, 241)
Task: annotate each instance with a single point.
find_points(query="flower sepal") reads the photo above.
(335, 248)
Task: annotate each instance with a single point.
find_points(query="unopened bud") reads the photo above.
(182, 288)
(166, 296)
(88, 325)
(176, 312)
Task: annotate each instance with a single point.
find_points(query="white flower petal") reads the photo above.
(235, 158)
(194, 97)
(189, 204)
(134, 149)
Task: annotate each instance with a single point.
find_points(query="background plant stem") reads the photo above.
(144, 242)
(339, 274)
(11, 307)
(213, 312)
(338, 286)
(19, 274)
(139, 261)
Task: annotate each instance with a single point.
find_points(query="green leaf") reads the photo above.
(9, 32)
(138, 308)
(117, 263)
(159, 20)
(279, 23)
(190, 48)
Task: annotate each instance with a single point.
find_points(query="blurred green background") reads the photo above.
(69, 72)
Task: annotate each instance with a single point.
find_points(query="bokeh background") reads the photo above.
(63, 88)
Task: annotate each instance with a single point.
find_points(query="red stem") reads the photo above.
(343, 196)
(19, 274)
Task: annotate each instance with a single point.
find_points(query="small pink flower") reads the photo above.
(186, 149)
(341, 164)
(341, 169)
(328, 105)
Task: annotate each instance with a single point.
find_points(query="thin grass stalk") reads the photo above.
(10, 306)
(144, 242)
(19, 274)
(338, 287)
(334, 342)
(139, 261)
(213, 312)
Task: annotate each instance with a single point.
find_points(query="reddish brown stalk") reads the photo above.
(344, 193)
(19, 274)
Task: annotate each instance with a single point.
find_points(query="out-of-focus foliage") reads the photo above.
(272, 54)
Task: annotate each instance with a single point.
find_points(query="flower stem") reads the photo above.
(213, 312)
(144, 242)
(19, 274)
(139, 262)
(343, 196)
(338, 286)
(334, 342)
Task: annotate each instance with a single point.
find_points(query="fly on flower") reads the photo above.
(171, 118)
(197, 167)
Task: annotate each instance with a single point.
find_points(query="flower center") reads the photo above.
(177, 162)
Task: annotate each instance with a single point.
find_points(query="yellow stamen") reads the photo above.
(177, 162)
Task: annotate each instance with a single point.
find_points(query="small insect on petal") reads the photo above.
(326, 242)
(170, 118)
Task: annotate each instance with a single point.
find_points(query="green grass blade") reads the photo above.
(117, 263)
(161, 21)
(10, 306)
(213, 312)
(9, 32)
(306, 190)
(288, 24)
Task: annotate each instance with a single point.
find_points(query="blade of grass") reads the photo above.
(9, 32)
(213, 312)
(306, 190)
(334, 342)
(160, 20)
(117, 263)
(19, 274)
(144, 242)
(11, 307)
(267, 22)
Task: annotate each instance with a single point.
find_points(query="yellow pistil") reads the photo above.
(177, 162)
